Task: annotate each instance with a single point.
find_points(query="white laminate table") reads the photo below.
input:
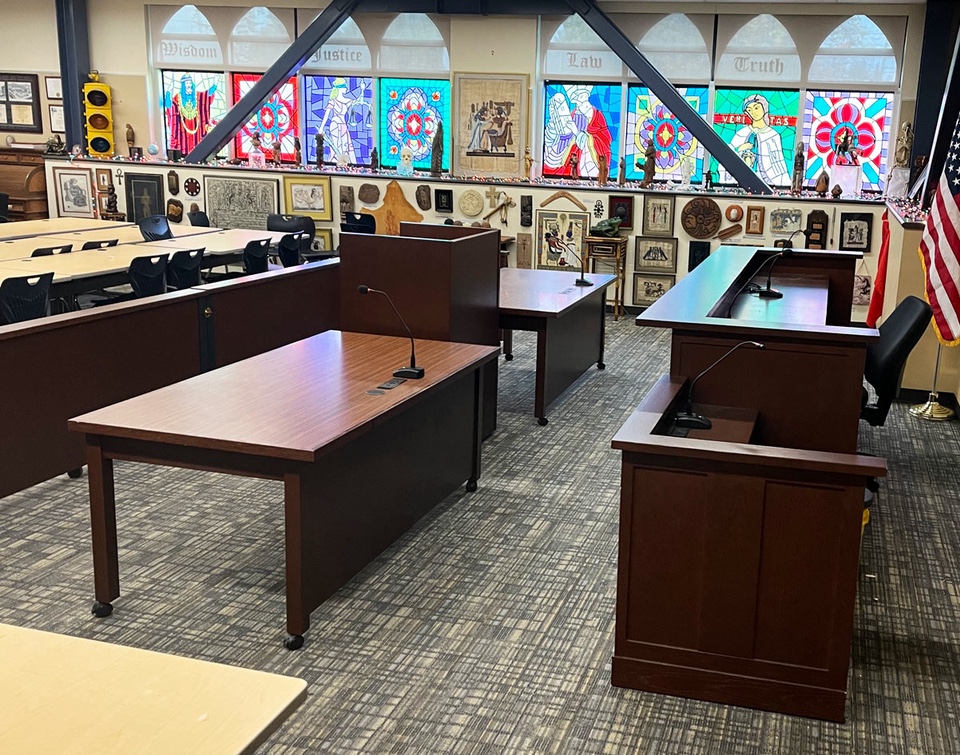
(23, 228)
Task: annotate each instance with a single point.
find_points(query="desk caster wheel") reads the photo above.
(508, 357)
(100, 610)
(293, 642)
(471, 485)
(73, 474)
(601, 365)
(542, 421)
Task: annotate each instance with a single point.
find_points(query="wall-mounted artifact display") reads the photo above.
(650, 122)
(862, 288)
(489, 124)
(699, 251)
(394, 210)
(173, 182)
(369, 193)
(658, 215)
(20, 103)
(816, 231)
(192, 187)
(700, 218)
(581, 121)
(443, 200)
(525, 251)
(785, 220)
(561, 238)
(174, 210)
(648, 287)
(734, 213)
(243, 202)
(423, 197)
(855, 231)
(598, 208)
(526, 210)
(341, 108)
(308, 195)
(74, 187)
(755, 216)
(144, 193)
(410, 112)
(656, 254)
(621, 206)
(471, 203)
(346, 200)
(104, 178)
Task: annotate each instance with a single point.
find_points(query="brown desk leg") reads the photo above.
(103, 527)
(477, 436)
(603, 324)
(508, 345)
(540, 393)
(298, 615)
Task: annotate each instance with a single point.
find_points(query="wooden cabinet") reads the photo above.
(22, 177)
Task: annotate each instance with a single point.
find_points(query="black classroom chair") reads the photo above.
(148, 275)
(155, 228)
(255, 256)
(183, 269)
(358, 222)
(45, 251)
(98, 244)
(25, 298)
(291, 224)
(198, 218)
(289, 248)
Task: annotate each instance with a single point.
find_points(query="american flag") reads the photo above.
(940, 248)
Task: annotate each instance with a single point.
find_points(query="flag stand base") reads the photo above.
(933, 410)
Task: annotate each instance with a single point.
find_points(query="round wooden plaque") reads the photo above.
(734, 213)
(701, 218)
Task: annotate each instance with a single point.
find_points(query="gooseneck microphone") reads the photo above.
(772, 293)
(754, 288)
(688, 418)
(412, 372)
(582, 280)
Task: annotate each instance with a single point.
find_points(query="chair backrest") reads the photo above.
(198, 217)
(255, 256)
(887, 357)
(289, 248)
(98, 244)
(183, 269)
(292, 224)
(4, 205)
(45, 251)
(25, 298)
(148, 275)
(155, 228)
(358, 222)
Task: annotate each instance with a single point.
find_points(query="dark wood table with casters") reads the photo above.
(360, 464)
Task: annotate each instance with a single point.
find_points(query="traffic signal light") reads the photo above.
(98, 119)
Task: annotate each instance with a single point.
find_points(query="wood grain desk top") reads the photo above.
(545, 293)
(70, 695)
(804, 302)
(295, 402)
(23, 228)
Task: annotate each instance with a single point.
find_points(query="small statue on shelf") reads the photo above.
(111, 198)
(904, 145)
(708, 180)
(527, 164)
(686, 172)
(255, 156)
(436, 152)
(622, 172)
(603, 170)
(574, 163)
(649, 165)
(131, 136)
(297, 151)
(374, 160)
(796, 185)
(56, 146)
(277, 147)
(405, 166)
(823, 184)
(318, 139)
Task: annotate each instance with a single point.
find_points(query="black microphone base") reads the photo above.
(581, 281)
(410, 373)
(769, 293)
(693, 421)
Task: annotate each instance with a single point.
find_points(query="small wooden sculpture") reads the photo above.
(796, 185)
(649, 165)
(318, 139)
(574, 166)
(622, 172)
(276, 152)
(131, 136)
(836, 192)
(297, 151)
(111, 198)
(374, 160)
(901, 154)
(436, 152)
(527, 164)
(603, 168)
(823, 184)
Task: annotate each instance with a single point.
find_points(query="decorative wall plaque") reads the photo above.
(471, 203)
(423, 197)
(369, 193)
(346, 200)
(173, 182)
(701, 218)
(526, 210)
(443, 199)
(192, 187)
(525, 251)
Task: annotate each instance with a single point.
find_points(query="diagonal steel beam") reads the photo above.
(617, 41)
(287, 65)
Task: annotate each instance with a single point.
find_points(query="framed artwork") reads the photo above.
(862, 287)
(699, 251)
(655, 254)
(648, 287)
(324, 239)
(104, 179)
(193, 101)
(581, 122)
(678, 152)
(489, 124)
(308, 195)
(658, 215)
(74, 187)
(20, 103)
(102, 203)
(855, 228)
(57, 123)
(561, 238)
(144, 196)
(755, 214)
(54, 87)
(621, 206)
(343, 107)
(443, 200)
(410, 112)
(241, 202)
(785, 220)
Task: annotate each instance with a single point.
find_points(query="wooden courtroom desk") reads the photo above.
(23, 228)
(69, 695)
(359, 465)
(568, 321)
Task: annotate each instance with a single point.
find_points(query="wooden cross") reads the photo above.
(493, 194)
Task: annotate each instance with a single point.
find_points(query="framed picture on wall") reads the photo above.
(244, 202)
(144, 196)
(54, 87)
(104, 179)
(658, 215)
(755, 214)
(561, 238)
(443, 200)
(74, 187)
(855, 231)
(699, 251)
(621, 206)
(308, 195)
(659, 255)
(20, 102)
(648, 287)
(57, 124)
(785, 220)
(324, 239)
(489, 124)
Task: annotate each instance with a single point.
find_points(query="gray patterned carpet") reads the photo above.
(488, 629)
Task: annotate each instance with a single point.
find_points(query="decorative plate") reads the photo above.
(734, 213)
(471, 203)
(701, 218)
(192, 187)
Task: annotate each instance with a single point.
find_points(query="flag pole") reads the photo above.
(933, 410)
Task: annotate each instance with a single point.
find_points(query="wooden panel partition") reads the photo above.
(65, 365)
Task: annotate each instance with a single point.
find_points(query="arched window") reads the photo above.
(345, 50)
(193, 102)
(413, 43)
(761, 50)
(575, 50)
(258, 39)
(676, 47)
(856, 52)
(188, 38)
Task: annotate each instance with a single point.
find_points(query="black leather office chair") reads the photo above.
(289, 248)
(45, 251)
(25, 298)
(155, 228)
(98, 244)
(358, 222)
(183, 269)
(887, 357)
(198, 218)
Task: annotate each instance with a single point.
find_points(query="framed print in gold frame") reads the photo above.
(308, 195)
(323, 240)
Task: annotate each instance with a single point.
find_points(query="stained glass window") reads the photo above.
(410, 111)
(761, 126)
(864, 119)
(647, 119)
(342, 106)
(275, 120)
(581, 124)
(193, 103)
